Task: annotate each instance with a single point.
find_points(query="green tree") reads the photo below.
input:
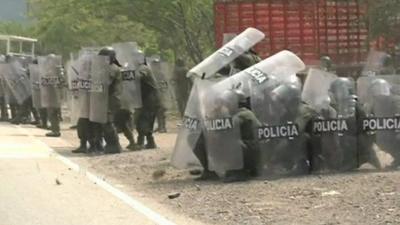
(168, 27)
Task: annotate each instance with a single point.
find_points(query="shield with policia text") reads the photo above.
(162, 73)
(272, 91)
(382, 118)
(16, 78)
(35, 84)
(73, 90)
(130, 58)
(227, 53)
(189, 135)
(84, 65)
(51, 81)
(99, 89)
(334, 130)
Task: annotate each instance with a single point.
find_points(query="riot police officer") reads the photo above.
(182, 85)
(326, 63)
(54, 108)
(114, 91)
(145, 116)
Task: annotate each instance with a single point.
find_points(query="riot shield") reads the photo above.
(227, 53)
(73, 90)
(2, 94)
(334, 131)
(162, 73)
(382, 119)
(17, 80)
(35, 83)
(2, 82)
(189, 134)
(282, 137)
(51, 81)
(221, 130)
(100, 82)
(374, 63)
(129, 56)
(282, 66)
(316, 86)
(190, 137)
(83, 70)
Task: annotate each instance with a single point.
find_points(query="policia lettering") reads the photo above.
(383, 123)
(191, 123)
(328, 126)
(50, 81)
(289, 131)
(219, 124)
(128, 75)
(257, 75)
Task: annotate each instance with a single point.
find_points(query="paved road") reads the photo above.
(37, 189)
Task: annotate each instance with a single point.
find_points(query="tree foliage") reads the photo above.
(384, 18)
(168, 27)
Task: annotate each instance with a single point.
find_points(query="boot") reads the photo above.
(112, 149)
(140, 141)
(82, 148)
(151, 144)
(132, 145)
(207, 176)
(235, 176)
(92, 147)
(53, 134)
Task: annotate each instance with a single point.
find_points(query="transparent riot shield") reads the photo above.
(221, 131)
(35, 84)
(334, 132)
(316, 87)
(282, 66)
(227, 53)
(2, 91)
(381, 121)
(189, 134)
(16, 78)
(162, 72)
(190, 138)
(374, 63)
(100, 82)
(129, 56)
(51, 81)
(84, 65)
(73, 90)
(283, 136)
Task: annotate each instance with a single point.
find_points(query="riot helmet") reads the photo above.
(341, 88)
(225, 71)
(243, 61)
(380, 87)
(286, 94)
(326, 63)
(110, 52)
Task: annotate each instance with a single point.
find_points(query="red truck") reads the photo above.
(309, 28)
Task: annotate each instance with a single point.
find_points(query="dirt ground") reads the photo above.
(362, 197)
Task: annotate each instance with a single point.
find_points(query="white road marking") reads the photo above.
(132, 202)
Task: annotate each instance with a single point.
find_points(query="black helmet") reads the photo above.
(287, 94)
(110, 52)
(243, 62)
(326, 62)
(341, 88)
